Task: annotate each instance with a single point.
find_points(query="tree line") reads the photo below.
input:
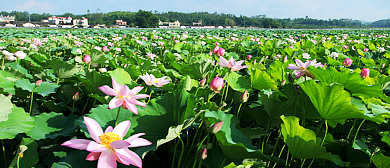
(150, 19)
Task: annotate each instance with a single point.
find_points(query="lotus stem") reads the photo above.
(117, 115)
(17, 162)
(2, 64)
(326, 132)
(73, 106)
(85, 105)
(273, 151)
(350, 130)
(238, 112)
(5, 161)
(182, 150)
(227, 87)
(31, 101)
(197, 151)
(174, 154)
(357, 131)
(280, 154)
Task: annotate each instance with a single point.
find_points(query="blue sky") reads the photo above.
(364, 10)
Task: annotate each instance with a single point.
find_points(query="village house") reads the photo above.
(199, 23)
(81, 23)
(7, 19)
(175, 24)
(60, 20)
(121, 22)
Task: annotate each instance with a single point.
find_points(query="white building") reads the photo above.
(175, 24)
(81, 23)
(28, 24)
(60, 20)
(7, 18)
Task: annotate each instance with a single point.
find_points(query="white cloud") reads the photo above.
(34, 6)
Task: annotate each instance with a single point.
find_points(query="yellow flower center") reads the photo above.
(109, 137)
(155, 81)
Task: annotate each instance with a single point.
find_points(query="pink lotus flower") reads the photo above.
(221, 52)
(215, 50)
(105, 48)
(151, 80)
(20, 54)
(347, 62)
(217, 84)
(109, 146)
(365, 72)
(366, 50)
(249, 56)
(87, 59)
(302, 67)
(124, 96)
(235, 66)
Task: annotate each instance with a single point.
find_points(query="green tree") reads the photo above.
(146, 19)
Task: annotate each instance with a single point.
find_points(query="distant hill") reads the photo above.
(381, 23)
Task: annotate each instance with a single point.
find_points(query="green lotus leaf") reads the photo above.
(231, 140)
(332, 102)
(6, 108)
(385, 137)
(301, 142)
(18, 70)
(30, 156)
(238, 82)
(25, 84)
(352, 82)
(52, 125)
(63, 69)
(6, 84)
(46, 88)
(18, 122)
(261, 80)
(121, 76)
(381, 161)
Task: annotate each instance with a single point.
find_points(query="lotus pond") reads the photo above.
(194, 98)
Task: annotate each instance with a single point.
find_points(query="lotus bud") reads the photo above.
(203, 154)
(383, 65)
(22, 148)
(216, 127)
(78, 51)
(249, 56)
(87, 58)
(76, 96)
(221, 52)
(365, 72)
(216, 43)
(202, 82)
(290, 78)
(244, 97)
(365, 49)
(215, 50)
(105, 48)
(38, 83)
(283, 82)
(284, 59)
(347, 62)
(217, 84)
(102, 69)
